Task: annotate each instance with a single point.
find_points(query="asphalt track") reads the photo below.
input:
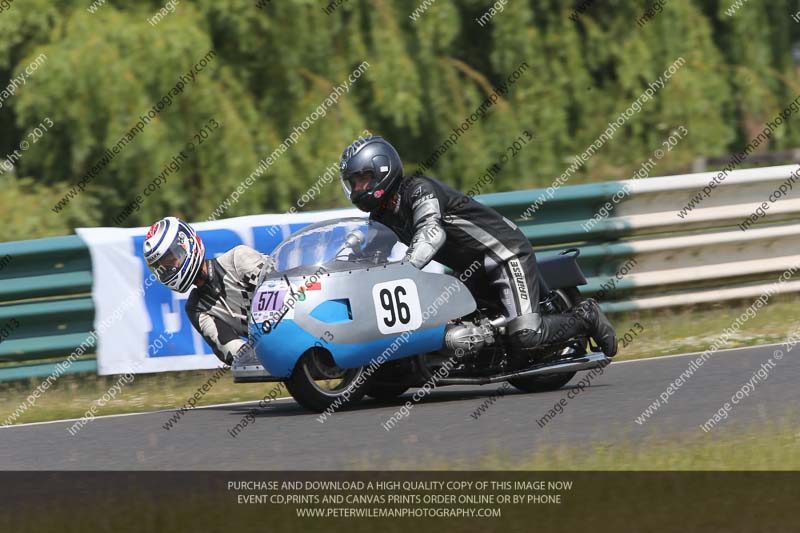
(284, 436)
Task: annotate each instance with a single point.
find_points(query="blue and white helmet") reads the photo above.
(174, 253)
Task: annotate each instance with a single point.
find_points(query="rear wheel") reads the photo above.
(318, 384)
(550, 382)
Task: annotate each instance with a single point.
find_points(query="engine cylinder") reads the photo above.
(467, 337)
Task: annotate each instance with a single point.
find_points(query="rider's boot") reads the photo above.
(599, 326)
(532, 330)
(586, 318)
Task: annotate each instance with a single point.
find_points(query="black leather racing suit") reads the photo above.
(440, 223)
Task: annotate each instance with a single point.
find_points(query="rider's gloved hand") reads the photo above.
(229, 357)
(246, 356)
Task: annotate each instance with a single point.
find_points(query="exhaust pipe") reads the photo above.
(587, 362)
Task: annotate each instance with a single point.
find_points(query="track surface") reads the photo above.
(284, 436)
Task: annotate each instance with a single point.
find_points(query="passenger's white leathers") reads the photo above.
(219, 309)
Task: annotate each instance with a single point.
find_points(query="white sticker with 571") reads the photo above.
(269, 302)
(397, 306)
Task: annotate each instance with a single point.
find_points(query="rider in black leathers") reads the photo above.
(442, 224)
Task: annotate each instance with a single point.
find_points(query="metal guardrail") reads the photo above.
(667, 260)
(45, 288)
(701, 257)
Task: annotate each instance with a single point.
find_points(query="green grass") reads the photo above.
(72, 395)
(673, 331)
(663, 332)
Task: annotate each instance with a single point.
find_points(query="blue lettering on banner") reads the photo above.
(266, 239)
(162, 302)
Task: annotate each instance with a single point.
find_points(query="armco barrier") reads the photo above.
(45, 288)
(669, 260)
(702, 256)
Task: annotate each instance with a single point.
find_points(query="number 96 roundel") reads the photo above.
(397, 306)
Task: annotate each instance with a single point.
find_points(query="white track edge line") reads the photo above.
(120, 415)
(658, 358)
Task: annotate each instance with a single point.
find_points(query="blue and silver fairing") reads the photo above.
(356, 306)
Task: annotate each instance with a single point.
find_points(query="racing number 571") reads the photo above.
(270, 300)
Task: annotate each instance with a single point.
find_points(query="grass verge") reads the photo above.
(676, 331)
(72, 395)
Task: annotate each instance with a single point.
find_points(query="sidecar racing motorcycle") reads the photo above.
(342, 317)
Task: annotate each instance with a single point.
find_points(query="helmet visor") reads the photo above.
(168, 265)
(359, 182)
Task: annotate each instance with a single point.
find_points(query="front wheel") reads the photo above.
(318, 384)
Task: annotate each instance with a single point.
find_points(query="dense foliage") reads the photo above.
(277, 61)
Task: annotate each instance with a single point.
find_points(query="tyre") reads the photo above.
(385, 393)
(318, 384)
(568, 298)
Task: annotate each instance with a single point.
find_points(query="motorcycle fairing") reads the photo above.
(280, 350)
(367, 317)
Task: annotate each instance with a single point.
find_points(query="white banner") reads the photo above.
(141, 325)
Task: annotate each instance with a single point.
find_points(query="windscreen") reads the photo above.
(352, 240)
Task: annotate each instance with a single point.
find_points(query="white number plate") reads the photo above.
(397, 306)
(269, 302)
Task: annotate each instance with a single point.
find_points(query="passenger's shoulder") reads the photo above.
(247, 259)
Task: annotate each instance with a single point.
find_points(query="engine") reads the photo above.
(470, 337)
